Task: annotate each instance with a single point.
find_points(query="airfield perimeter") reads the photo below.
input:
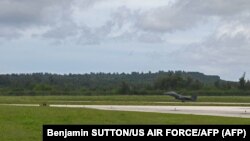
(226, 111)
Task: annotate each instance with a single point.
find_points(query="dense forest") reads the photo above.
(120, 83)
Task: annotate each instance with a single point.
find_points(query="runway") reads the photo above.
(226, 111)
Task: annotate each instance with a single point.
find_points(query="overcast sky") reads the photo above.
(82, 36)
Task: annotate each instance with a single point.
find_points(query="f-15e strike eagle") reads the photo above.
(181, 97)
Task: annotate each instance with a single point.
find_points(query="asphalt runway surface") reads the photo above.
(226, 111)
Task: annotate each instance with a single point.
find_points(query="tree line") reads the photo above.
(116, 83)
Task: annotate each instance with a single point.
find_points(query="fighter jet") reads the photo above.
(181, 97)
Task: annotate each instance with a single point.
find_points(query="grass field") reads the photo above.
(123, 100)
(25, 123)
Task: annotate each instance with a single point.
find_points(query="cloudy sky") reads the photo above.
(81, 36)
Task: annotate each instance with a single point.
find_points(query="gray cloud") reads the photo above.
(123, 23)
(62, 31)
(217, 7)
(117, 27)
(211, 36)
(183, 15)
(17, 16)
(150, 38)
(28, 12)
(166, 19)
(93, 36)
(9, 33)
(225, 51)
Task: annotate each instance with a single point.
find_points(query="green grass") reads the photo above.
(123, 100)
(25, 123)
